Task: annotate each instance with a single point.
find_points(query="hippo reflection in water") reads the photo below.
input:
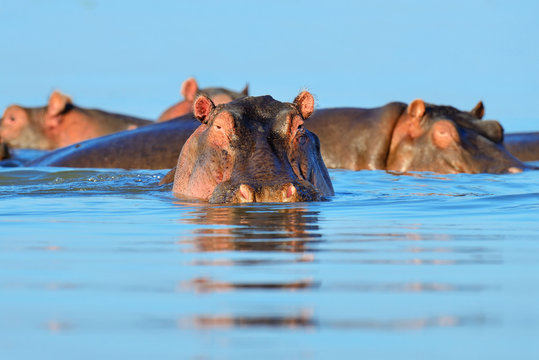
(292, 229)
(252, 150)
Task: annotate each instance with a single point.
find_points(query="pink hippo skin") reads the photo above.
(414, 137)
(251, 150)
(190, 90)
(59, 124)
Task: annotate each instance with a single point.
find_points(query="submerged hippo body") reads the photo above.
(190, 90)
(525, 146)
(252, 150)
(415, 137)
(59, 124)
(154, 146)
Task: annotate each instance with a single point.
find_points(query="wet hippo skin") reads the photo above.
(525, 146)
(154, 146)
(386, 138)
(414, 137)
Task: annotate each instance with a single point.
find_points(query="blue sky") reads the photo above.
(131, 57)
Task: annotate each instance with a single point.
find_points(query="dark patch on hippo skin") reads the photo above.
(5, 157)
(4, 151)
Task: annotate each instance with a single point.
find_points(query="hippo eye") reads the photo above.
(12, 118)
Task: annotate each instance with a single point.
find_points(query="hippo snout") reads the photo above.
(247, 193)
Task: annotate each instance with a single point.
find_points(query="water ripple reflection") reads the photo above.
(252, 228)
(208, 285)
(305, 320)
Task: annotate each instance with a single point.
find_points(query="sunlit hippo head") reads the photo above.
(252, 150)
(446, 140)
(190, 90)
(21, 127)
(60, 123)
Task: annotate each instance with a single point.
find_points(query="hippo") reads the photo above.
(155, 146)
(59, 124)
(525, 146)
(254, 149)
(365, 144)
(415, 137)
(189, 91)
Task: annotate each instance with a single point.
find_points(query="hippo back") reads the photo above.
(112, 122)
(355, 138)
(525, 146)
(155, 146)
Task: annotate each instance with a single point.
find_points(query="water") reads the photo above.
(105, 264)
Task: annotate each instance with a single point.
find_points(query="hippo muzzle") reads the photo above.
(246, 192)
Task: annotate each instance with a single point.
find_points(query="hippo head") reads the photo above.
(18, 129)
(446, 140)
(253, 149)
(31, 127)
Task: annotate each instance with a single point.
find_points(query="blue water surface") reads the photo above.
(107, 264)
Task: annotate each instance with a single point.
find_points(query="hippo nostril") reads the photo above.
(246, 193)
(290, 193)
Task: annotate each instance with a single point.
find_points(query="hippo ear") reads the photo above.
(305, 103)
(189, 89)
(479, 110)
(444, 134)
(245, 91)
(415, 112)
(202, 107)
(57, 103)
(416, 109)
